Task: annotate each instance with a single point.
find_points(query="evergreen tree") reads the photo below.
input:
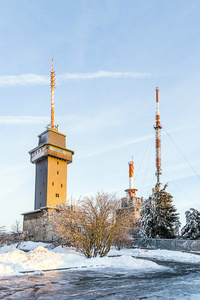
(159, 216)
(177, 226)
(147, 228)
(191, 229)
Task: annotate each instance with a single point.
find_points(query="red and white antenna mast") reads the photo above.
(52, 84)
(157, 128)
(131, 191)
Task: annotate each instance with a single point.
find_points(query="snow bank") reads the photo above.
(27, 246)
(6, 270)
(76, 260)
(6, 248)
(42, 259)
(14, 261)
(167, 255)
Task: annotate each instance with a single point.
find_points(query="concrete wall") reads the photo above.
(41, 183)
(133, 203)
(37, 227)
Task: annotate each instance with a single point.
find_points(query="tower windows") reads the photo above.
(52, 183)
(61, 185)
(57, 195)
(57, 172)
(57, 162)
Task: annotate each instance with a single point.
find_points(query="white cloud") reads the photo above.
(22, 120)
(34, 79)
(81, 124)
(24, 79)
(182, 170)
(102, 74)
(111, 147)
(85, 124)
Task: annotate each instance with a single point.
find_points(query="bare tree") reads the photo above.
(17, 227)
(5, 238)
(17, 233)
(2, 228)
(93, 225)
(2, 235)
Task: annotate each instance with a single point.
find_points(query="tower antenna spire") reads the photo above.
(157, 128)
(52, 84)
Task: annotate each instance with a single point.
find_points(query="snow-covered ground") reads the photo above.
(41, 257)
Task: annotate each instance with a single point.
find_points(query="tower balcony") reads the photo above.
(41, 152)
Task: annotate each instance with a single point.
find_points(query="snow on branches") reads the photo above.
(158, 215)
(191, 229)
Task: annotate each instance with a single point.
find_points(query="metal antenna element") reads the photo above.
(52, 84)
(157, 128)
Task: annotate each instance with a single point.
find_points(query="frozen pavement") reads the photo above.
(177, 281)
(125, 274)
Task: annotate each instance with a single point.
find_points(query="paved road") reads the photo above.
(180, 281)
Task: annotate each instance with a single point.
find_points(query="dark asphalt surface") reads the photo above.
(179, 281)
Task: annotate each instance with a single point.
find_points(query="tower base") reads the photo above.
(36, 224)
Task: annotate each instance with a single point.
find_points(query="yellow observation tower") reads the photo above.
(51, 158)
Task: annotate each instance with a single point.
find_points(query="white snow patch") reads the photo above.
(5, 270)
(27, 246)
(37, 259)
(167, 255)
(13, 261)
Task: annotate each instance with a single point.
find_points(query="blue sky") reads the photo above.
(109, 57)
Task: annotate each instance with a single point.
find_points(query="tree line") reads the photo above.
(98, 222)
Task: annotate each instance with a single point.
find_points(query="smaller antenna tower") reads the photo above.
(131, 191)
(157, 128)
